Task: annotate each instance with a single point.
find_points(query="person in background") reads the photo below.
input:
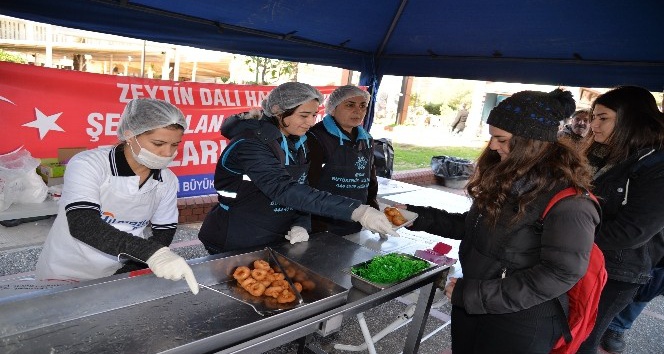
(261, 178)
(459, 123)
(516, 273)
(341, 154)
(627, 159)
(111, 194)
(578, 127)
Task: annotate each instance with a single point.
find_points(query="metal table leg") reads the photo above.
(366, 333)
(418, 323)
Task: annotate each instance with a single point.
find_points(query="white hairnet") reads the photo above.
(144, 114)
(343, 93)
(289, 95)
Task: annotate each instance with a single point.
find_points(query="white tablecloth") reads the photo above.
(436, 198)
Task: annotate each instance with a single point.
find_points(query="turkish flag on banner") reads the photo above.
(44, 109)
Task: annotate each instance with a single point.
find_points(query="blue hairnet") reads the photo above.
(343, 93)
(289, 95)
(144, 114)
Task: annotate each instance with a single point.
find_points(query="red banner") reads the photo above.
(44, 109)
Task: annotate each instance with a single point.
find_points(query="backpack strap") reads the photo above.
(567, 192)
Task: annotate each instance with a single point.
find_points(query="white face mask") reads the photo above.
(150, 159)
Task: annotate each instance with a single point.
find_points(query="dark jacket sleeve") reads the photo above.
(86, 226)
(635, 223)
(162, 236)
(438, 222)
(264, 169)
(566, 241)
(316, 160)
(303, 219)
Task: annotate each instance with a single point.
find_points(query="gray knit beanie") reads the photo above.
(533, 114)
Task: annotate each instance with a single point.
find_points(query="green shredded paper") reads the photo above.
(390, 268)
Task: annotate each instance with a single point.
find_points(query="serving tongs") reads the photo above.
(238, 294)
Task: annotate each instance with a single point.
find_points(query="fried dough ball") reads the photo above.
(308, 285)
(391, 211)
(241, 273)
(398, 220)
(282, 283)
(247, 282)
(259, 274)
(290, 272)
(394, 216)
(273, 291)
(261, 264)
(263, 280)
(300, 276)
(256, 289)
(286, 296)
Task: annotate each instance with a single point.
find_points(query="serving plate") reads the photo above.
(409, 215)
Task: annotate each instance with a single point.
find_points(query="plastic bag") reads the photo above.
(383, 157)
(448, 166)
(19, 182)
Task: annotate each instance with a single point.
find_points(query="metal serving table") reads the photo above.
(388, 186)
(145, 314)
(436, 198)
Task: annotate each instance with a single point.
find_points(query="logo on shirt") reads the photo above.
(303, 178)
(361, 163)
(110, 219)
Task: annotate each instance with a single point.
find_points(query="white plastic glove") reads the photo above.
(166, 264)
(373, 220)
(297, 234)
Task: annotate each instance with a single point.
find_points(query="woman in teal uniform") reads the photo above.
(261, 178)
(342, 156)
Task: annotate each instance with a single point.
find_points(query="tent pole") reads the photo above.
(143, 60)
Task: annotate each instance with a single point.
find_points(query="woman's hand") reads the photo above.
(449, 288)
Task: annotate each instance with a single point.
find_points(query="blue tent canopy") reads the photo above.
(563, 42)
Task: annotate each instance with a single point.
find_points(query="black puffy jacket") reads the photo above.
(631, 235)
(537, 267)
(254, 157)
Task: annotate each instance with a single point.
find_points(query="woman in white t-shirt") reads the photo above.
(111, 194)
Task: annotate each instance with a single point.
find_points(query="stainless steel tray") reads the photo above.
(370, 287)
(265, 305)
(163, 314)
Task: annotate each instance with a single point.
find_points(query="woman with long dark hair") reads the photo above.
(516, 274)
(627, 158)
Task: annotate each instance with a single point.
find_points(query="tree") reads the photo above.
(12, 58)
(269, 70)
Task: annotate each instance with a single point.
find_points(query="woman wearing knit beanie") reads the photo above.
(514, 272)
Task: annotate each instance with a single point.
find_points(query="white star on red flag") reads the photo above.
(44, 123)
